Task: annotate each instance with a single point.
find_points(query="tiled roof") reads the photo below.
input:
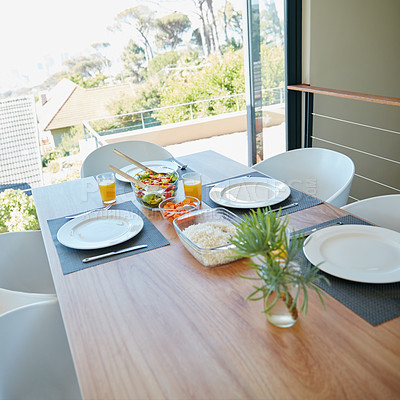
(85, 104)
(20, 160)
(56, 99)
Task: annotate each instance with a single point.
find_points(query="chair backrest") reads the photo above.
(36, 361)
(10, 300)
(380, 210)
(98, 160)
(322, 173)
(24, 266)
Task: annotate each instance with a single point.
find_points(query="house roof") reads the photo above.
(80, 104)
(55, 99)
(19, 142)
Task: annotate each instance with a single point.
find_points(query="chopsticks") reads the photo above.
(134, 162)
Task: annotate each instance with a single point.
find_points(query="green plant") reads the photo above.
(51, 156)
(17, 211)
(53, 167)
(263, 237)
(70, 141)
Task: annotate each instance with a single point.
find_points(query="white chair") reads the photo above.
(24, 266)
(380, 210)
(36, 361)
(322, 173)
(10, 300)
(98, 160)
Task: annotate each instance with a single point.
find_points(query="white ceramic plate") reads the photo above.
(358, 253)
(158, 166)
(100, 229)
(249, 192)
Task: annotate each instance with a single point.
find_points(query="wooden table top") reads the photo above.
(159, 325)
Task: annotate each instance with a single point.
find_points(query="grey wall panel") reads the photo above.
(355, 46)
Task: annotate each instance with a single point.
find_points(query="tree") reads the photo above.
(140, 19)
(208, 28)
(213, 25)
(272, 70)
(86, 72)
(134, 60)
(88, 82)
(232, 22)
(158, 63)
(170, 29)
(270, 26)
(87, 66)
(221, 76)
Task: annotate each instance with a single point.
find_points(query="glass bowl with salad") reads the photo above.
(161, 185)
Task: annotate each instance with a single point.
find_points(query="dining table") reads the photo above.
(158, 324)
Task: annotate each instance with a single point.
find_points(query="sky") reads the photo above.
(36, 33)
(36, 36)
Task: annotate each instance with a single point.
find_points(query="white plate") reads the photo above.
(100, 229)
(249, 192)
(158, 166)
(358, 253)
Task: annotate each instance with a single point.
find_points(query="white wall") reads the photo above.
(354, 45)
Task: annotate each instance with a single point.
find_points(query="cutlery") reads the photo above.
(134, 162)
(216, 183)
(90, 211)
(181, 166)
(284, 207)
(113, 253)
(150, 188)
(307, 233)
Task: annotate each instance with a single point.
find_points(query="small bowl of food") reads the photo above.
(206, 235)
(160, 185)
(174, 207)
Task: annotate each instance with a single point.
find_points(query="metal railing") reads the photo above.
(149, 118)
(372, 179)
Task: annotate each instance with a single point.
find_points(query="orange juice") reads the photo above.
(192, 188)
(107, 191)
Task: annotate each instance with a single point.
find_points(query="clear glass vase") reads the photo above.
(281, 314)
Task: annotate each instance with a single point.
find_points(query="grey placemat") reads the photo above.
(304, 200)
(375, 303)
(122, 187)
(71, 259)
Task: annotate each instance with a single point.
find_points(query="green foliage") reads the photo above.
(141, 20)
(191, 80)
(170, 30)
(273, 66)
(232, 22)
(163, 60)
(50, 156)
(70, 142)
(53, 167)
(88, 82)
(17, 211)
(221, 76)
(134, 60)
(263, 237)
(272, 71)
(270, 26)
(87, 66)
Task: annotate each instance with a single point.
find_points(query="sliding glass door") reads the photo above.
(272, 37)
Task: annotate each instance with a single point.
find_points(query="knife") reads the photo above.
(113, 253)
(307, 232)
(284, 207)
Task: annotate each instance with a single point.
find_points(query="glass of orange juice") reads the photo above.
(106, 184)
(192, 184)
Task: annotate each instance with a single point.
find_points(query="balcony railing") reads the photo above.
(150, 118)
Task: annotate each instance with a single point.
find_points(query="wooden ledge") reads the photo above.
(391, 101)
